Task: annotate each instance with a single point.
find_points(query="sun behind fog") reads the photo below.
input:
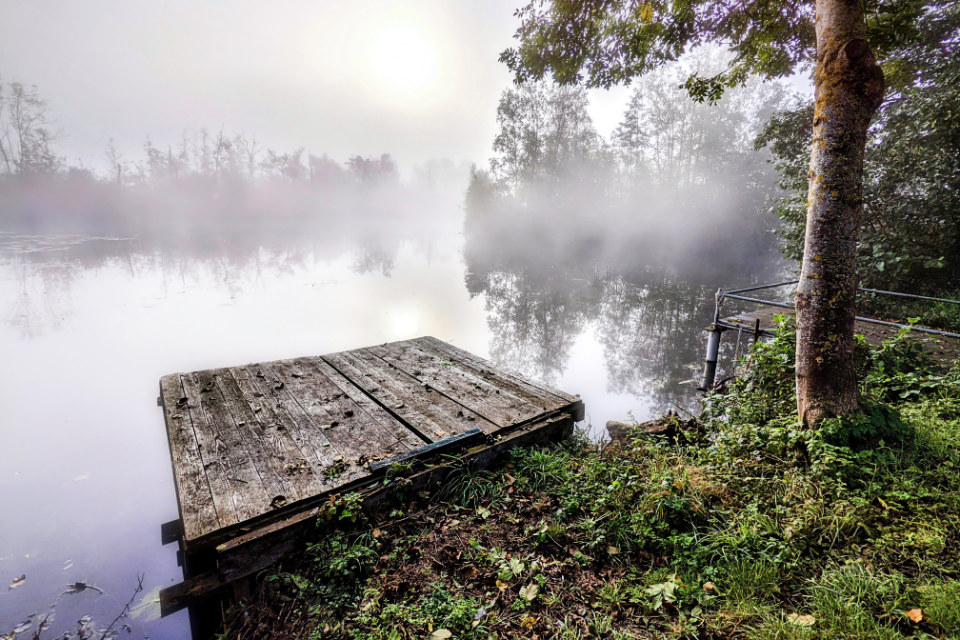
(403, 62)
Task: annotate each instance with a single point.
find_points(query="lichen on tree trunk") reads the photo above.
(849, 88)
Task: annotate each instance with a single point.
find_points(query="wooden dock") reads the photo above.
(258, 449)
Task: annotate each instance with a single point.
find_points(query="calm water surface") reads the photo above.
(91, 324)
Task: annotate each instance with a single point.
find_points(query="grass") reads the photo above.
(744, 525)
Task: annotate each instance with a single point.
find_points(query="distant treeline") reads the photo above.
(207, 182)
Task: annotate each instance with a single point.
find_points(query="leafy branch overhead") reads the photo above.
(606, 42)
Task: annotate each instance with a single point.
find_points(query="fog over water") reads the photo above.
(295, 179)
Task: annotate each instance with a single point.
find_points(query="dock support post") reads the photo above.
(710, 361)
(713, 346)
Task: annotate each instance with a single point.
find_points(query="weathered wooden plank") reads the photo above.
(303, 454)
(287, 417)
(489, 370)
(194, 495)
(373, 408)
(356, 435)
(191, 591)
(281, 478)
(245, 434)
(315, 421)
(237, 490)
(499, 406)
(349, 426)
(248, 460)
(430, 413)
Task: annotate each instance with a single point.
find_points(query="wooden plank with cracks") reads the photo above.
(194, 494)
(292, 429)
(273, 452)
(432, 414)
(237, 490)
(355, 434)
(489, 368)
(350, 389)
(478, 395)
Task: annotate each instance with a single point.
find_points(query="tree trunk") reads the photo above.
(849, 88)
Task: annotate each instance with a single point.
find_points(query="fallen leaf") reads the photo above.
(529, 592)
(376, 533)
(528, 622)
(503, 586)
(914, 614)
(612, 550)
(802, 620)
(23, 626)
(441, 634)
(80, 586)
(18, 581)
(709, 586)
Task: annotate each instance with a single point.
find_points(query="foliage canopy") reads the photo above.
(605, 42)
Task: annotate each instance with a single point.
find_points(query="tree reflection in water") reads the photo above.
(649, 320)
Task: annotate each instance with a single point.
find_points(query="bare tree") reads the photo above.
(25, 134)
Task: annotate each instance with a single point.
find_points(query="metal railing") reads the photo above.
(717, 328)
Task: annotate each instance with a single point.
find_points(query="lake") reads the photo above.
(90, 325)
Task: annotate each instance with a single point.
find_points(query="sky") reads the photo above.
(418, 79)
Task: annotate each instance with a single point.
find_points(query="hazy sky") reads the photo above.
(417, 78)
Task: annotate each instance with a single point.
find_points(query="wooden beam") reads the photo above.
(171, 531)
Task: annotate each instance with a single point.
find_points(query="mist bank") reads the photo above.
(185, 207)
(679, 185)
(206, 184)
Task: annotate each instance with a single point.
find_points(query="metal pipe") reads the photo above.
(885, 323)
(717, 302)
(710, 361)
(772, 303)
(908, 295)
(935, 332)
(764, 286)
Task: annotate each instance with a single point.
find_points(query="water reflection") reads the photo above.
(648, 324)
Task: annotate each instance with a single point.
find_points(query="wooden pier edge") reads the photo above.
(256, 550)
